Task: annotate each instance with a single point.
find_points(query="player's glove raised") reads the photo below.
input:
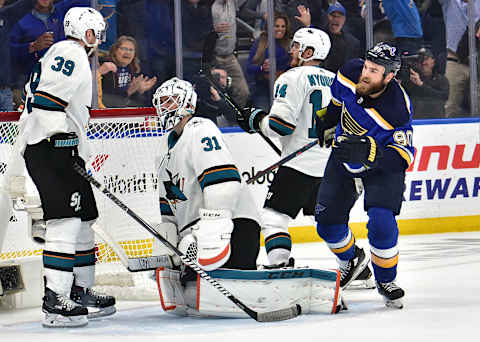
(250, 119)
(325, 128)
(355, 149)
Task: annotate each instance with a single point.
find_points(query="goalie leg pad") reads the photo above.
(316, 290)
(59, 253)
(213, 234)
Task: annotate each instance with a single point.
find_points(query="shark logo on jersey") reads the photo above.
(174, 188)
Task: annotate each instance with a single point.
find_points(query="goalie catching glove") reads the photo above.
(355, 149)
(213, 233)
(250, 119)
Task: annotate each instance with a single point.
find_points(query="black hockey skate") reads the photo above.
(350, 270)
(62, 312)
(289, 264)
(364, 280)
(99, 305)
(392, 294)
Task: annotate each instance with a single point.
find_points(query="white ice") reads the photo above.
(440, 274)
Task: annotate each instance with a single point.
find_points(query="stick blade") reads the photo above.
(280, 315)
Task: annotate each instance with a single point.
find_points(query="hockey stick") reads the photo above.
(205, 70)
(283, 161)
(270, 316)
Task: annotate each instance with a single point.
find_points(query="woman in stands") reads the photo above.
(258, 67)
(122, 83)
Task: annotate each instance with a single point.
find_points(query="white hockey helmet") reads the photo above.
(79, 20)
(173, 100)
(312, 38)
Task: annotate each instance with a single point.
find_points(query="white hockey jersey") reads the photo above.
(298, 94)
(191, 163)
(58, 96)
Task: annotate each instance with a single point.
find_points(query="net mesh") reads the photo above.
(124, 144)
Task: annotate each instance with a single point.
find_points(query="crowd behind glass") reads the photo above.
(149, 41)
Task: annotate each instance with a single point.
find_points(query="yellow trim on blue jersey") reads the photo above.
(407, 99)
(336, 102)
(404, 153)
(346, 82)
(385, 262)
(343, 249)
(375, 115)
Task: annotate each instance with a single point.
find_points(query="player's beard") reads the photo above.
(364, 89)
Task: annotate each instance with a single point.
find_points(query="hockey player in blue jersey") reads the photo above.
(371, 116)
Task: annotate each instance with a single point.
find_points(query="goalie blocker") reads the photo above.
(315, 290)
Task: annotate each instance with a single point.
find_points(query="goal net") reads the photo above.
(124, 144)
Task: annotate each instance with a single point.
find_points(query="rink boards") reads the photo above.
(442, 185)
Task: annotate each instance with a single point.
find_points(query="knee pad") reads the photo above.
(59, 253)
(86, 236)
(382, 228)
(332, 233)
(61, 234)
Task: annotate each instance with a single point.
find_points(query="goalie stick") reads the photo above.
(206, 65)
(270, 316)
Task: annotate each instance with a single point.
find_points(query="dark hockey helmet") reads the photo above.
(385, 55)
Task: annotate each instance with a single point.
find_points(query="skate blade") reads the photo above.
(101, 312)
(394, 304)
(59, 321)
(367, 284)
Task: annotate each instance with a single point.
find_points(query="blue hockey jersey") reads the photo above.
(387, 119)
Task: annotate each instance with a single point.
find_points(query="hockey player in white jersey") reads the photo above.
(53, 137)
(299, 95)
(202, 196)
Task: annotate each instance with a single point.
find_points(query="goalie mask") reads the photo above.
(79, 20)
(312, 38)
(174, 100)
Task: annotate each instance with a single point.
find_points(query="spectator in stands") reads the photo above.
(9, 15)
(122, 83)
(434, 34)
(406, 24)
(196, 25)
(258, 66)
(210, 104)
(344, 45)
(159, 31)
(428, 89)
(224, 23)
(457, 70)
(35, 33)
(131, 21)
(290, 8)
(458, 73)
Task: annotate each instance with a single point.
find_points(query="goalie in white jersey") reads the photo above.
(52, 138)
(300, 94)
(202, 196)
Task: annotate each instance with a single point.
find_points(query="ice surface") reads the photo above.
(440, 274)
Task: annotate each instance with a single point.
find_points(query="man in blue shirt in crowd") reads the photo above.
(9, 15)
(33, 34)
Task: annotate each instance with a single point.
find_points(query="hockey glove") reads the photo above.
(355, 149)
(250, 118)
(325, 128)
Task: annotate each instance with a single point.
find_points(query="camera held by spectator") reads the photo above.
(428, 89)
(210, 103)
